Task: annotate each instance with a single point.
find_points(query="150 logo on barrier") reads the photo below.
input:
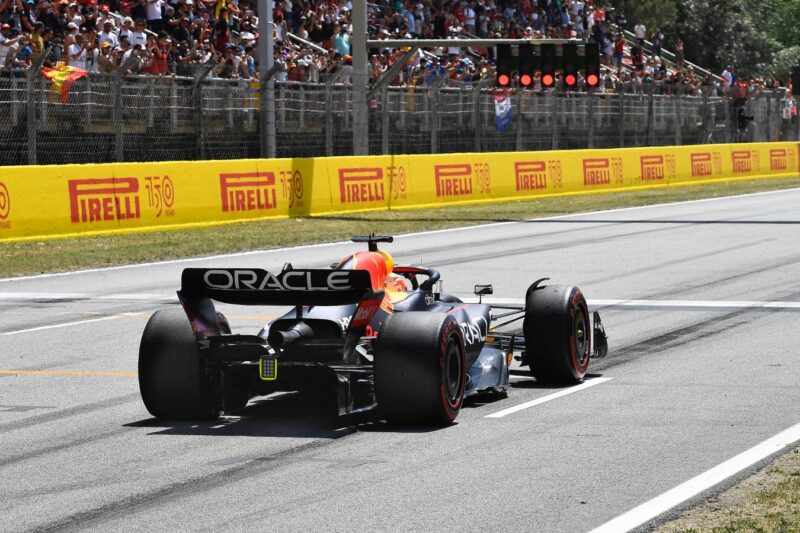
(292, 187)
(5, 207)
(103, 199)
(457, 179)
(598, 172)
(248, 191)
(160, 195)
(360, 185)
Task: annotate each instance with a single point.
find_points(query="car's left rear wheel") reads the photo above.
(420, 368)
(174, 381)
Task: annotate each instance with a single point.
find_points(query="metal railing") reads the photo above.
(145, 118)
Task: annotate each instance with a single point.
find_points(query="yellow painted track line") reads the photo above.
(68, 373)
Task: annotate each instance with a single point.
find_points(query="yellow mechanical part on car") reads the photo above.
(268, 368)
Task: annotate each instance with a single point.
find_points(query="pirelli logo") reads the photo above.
(361, 185)
(742, 161)
(596, 172)
(453, 180)
(652, 167)
(701, 165)
(531, 175)
(778, 160)
(251, 191)
(103, 199)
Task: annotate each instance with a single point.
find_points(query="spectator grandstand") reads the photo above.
(312, 39)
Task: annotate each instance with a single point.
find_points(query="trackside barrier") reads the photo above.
(61, 201)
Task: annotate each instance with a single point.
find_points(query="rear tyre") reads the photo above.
(172, 377)
(557, 334)
(420, 368)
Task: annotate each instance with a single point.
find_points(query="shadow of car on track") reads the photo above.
(282, 415)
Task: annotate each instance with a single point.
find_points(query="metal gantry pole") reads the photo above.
(265, 62)
(360, 79)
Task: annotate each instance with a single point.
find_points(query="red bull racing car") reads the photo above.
(374, 334)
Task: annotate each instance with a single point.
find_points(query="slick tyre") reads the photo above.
(172, 376)
(420, 368)
(557, 334)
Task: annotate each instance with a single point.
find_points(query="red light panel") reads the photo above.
(592, 80)
(570, 80)
(525, 80)
(503, 80)
(548, 80)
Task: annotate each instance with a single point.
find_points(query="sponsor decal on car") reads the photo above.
(289, 280)
(248, 191)
(475, 330)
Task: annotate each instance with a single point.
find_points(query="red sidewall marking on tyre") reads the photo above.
(451, 409)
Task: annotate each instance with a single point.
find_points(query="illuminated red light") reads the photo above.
(592, 80)
(525, 80)
(503, 80)
(548, 80)
(570, 80)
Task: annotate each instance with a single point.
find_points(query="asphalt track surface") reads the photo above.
(700, 371)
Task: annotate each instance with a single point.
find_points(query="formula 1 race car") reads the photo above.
(371, 333)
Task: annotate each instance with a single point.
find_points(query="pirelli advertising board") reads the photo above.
(57, 201)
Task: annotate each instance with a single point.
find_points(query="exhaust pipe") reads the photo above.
(281, 339)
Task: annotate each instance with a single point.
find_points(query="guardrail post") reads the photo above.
(651, 123)
(622, 118)
(282, 94)
(590, 135)
(554, 120)
(518, 122)
(302, 95)
(89, 104)
(476, 116)
(385, 125)
(676, 109)
(229, 105)
(117, 118)
(173, 109)
(151, 93)
(433, 98)
(31, 116)
(769, 116)
(14, 101)
(328, 119)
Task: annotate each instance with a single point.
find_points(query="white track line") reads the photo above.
(65, 324)
(405, 235)
(661, 504)
(538, 401)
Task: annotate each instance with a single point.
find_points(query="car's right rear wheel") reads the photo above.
(420, 368)
(173, 379)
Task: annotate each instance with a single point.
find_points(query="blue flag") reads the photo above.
(502, 109)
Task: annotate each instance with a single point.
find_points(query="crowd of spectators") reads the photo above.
(313, 39)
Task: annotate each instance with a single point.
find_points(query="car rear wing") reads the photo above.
(252, 286)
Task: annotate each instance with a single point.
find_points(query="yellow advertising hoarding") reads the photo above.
(43, 202)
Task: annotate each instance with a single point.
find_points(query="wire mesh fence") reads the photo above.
(109, 118)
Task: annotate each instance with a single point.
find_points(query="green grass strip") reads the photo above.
(33, 257)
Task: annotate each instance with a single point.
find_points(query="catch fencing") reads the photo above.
(111, 118)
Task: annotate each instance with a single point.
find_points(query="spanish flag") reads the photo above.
(62, 77)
